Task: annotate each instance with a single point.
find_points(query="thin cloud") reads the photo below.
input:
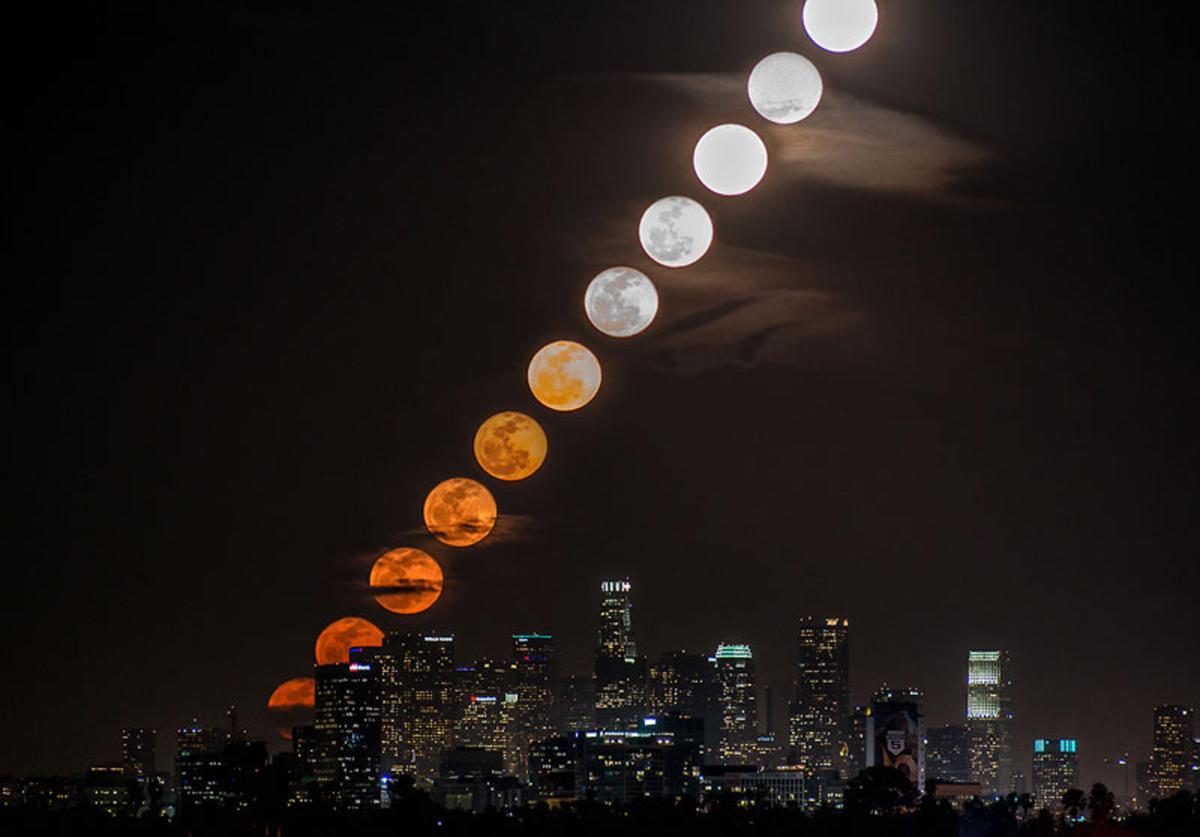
(851, 142)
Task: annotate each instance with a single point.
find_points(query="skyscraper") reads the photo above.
(948, 753)
(346, 724)
(488, 712)
(198, 766)
(685, 683)
(418, 702)
(739, 704)
(820, 711)
(1171, 760)
(989, 719)
(536, 681)
(616, 619)
(620, 673)
(138, 746)
(576, 703)
(1055, 770)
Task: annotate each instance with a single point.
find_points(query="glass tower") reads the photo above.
(1055, 770)
(989, 720)
(739, 704)
(820, 714)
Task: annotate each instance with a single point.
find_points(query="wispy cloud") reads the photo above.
(852, 142)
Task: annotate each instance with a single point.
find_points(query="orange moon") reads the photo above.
(406, 580)
(510, 446)
(291, 703)
(460, 511)
(335, 642)
(564, 375)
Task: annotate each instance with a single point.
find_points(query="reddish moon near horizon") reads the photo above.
(290, 704)
(335, 642)
(460, 511)
(406, 580)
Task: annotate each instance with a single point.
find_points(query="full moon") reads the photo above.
(460, 511)
(510, 446)
(730, 159)
(675, 231)
(784, 87)
(291, 704)
(840, 25)
(621, 301)
(564, 375)
(335, 642)
(406, 580)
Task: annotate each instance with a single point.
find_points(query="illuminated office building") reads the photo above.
(576, 703)
(418, 702)
(616, 619)
(620, 673)
(819, 713)
(1055, 771)
(685, 683)
(989, 720)
(739, 704)
(948, 754)
(536, 668)
(138, 747)
(660, 759)
(199, 766)
(346, 726)
(854, 750)
(105, 788)
(1171, 759)
(488, 712)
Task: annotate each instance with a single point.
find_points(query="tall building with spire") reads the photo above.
(989, 719)
(620, 673)
(820, 712)
(739, 704)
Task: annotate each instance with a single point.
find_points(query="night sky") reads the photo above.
(270, 266)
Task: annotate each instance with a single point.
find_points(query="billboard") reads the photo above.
(896, 738)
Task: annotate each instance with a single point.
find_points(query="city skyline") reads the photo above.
(279, 270)
(533, 658)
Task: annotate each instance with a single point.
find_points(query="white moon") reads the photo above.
(784, 87)
(675, 231)
(621, 301)
(730, 159)
(840, 25)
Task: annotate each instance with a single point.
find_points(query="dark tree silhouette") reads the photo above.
(1101, 803)
(880, 790)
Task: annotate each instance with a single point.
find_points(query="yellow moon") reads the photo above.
(460, 511)
(510, 446)
(564, 375)
(406, 580)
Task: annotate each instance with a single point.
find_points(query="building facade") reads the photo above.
(948, 754)
(1055, 771)
(821, 708)
(989, 719)
(739, 704)
(418, 699)
(1171, 759)
(621, 699)
(347, 730)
